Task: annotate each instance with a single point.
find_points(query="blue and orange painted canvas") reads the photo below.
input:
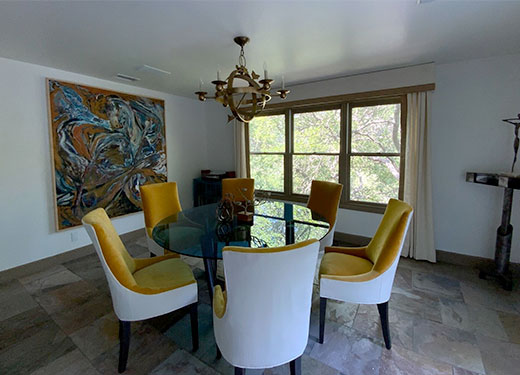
(104, 146)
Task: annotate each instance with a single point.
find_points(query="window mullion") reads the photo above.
(404, 111)
(348, 127)
(288, 153)
(342, 174)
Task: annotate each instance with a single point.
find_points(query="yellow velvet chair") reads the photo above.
(140, 288)
(239, 188)
(324, 200)
(366, 274)
(160, 201)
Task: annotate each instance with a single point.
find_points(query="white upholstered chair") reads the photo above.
(140, 288)
(366, 274)
(262, 320)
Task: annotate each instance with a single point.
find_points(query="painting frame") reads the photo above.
(161, 177)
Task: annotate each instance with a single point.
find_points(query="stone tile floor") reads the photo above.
(443, 319)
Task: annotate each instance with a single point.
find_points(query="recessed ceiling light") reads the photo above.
(152, 69)
(127, 77)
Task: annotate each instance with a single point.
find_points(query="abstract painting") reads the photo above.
(104, 145)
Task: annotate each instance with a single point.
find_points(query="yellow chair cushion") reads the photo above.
(119, 261)
(260, 250)
(338, 264)
(384, 246)
(123, 266)
(159, 201)
(219, 302)
(165, 275)
(236, 186)
(345, 263)
(324, 199)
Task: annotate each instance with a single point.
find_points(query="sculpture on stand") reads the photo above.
(509, 181)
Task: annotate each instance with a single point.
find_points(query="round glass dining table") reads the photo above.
(198, 232)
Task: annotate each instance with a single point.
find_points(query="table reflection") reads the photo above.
(197, 232)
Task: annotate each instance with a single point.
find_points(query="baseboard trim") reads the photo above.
(442, 255)
(55, 260)
(351, 239)
(467, 260)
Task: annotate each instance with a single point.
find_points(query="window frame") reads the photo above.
(365, 205)
(292, 153)
(345, 106)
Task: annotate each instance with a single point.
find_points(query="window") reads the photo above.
(316, 140)
(266, 152)
(374, 153)
(358, 144)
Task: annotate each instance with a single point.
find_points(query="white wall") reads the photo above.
(27, 230)
(385, 79)
(470, 100)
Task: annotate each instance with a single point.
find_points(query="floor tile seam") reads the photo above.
(440, 295)
(451, 364)
(496, 339)
(417, 315)
(492, 308)
(414, 350)
(85, 355)
(475, 331)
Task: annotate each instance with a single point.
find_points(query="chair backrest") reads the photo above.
(159, 201)
(324, 199)
(111, 249)
(239, 188)
(269, 296)
(387, 243)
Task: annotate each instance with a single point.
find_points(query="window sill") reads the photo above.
(377, 208)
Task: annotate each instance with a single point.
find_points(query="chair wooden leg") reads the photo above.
(383, 314)
(323, 312)
(124, 344)
(240, 371)
(194, 318)
(296, 366)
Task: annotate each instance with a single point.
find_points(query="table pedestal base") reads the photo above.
(210, 269)
(505, 279)
(500, 271)
(509, 182)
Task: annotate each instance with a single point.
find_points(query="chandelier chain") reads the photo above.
(242, 57)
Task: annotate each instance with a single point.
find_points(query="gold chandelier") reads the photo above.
(245, 96)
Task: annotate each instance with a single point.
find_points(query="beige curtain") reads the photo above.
(417, 178)
(240, 149)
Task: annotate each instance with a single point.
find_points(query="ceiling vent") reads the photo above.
(125, 77)
(152, 69)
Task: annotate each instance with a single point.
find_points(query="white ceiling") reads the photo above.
(304, 40)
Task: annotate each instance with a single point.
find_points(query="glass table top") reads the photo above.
(197, 232)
